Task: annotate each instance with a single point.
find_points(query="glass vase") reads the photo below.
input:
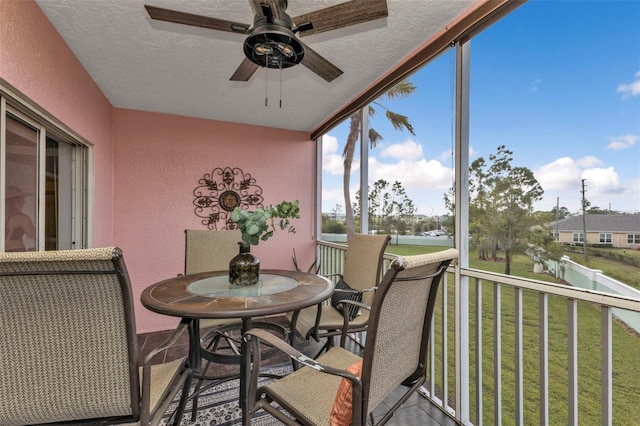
(244, 269)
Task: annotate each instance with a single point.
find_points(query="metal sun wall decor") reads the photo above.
(220, 192)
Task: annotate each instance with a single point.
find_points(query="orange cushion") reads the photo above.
(342, 410)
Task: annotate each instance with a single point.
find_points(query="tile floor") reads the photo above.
(416, 411)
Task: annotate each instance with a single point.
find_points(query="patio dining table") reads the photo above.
(210, 295)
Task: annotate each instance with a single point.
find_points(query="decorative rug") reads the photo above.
(218, 405)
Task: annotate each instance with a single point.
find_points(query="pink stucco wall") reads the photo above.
(147, 164)
(158, 162)
(35, 60)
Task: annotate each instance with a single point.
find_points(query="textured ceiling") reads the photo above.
(150, 65)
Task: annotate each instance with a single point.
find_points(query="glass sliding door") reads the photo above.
(59, 200)
(21, 195)
(44, 175)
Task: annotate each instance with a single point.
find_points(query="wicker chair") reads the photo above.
(395, 353)
(68, 344)
(362, 267)
(205, 251)
(210, 251)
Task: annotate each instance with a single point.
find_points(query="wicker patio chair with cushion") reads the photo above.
(211, 250)
(362, 270)
(205, 251)
(331, 390)
(68, 344)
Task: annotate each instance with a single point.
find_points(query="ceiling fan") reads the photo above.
(272, 40)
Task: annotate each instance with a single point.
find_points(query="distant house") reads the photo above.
(621, 231)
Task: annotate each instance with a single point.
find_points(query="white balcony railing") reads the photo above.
(484, 353)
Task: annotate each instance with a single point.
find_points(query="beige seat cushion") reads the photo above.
(294, 388)
(161, 376)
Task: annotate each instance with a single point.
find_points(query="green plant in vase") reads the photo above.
(255, 226)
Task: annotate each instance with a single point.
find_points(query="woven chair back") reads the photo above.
(68, 346)
(207, 250)
(363, 262)
(401, 315)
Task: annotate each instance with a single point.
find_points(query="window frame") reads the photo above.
(578, 237)
(605, 238)
(22, 109)
(633, 238)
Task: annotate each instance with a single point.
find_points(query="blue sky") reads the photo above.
(557, 82)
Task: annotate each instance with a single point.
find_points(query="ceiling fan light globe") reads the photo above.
(272, 46)
(263, 49)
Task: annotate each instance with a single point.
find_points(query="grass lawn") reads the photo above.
(626, 351)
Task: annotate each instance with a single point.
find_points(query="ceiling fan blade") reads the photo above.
(319, 65)
(178, 17)
(244, 71)
(342, 15)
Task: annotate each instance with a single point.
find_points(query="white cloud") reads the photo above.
(425, 181)
(332, 162)
(562, 181)
(622, 142)
(417, 174)
(407, 150)
(535, 85)
(600, 180)
(588, 161)
(329, 144)
(630, 89)
(447, 156)
(331, 197)
(560, 174)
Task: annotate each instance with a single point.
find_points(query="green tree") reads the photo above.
(501, 205)
(388, 205)
(332, 226)
(562, 212)
(399, 122)
(598, 210)
(336, 211)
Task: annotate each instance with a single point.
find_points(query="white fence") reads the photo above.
(593, 279)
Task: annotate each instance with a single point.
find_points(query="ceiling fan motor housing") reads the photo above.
(272, 43)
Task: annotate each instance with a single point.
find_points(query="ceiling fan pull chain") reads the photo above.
(280, 84)
(266, 80)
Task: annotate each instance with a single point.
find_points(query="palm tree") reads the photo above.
(400, 122)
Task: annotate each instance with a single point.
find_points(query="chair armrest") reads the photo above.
(334, 275)
(182, 326)
(345, 313)
(266, 337)
(364, 290)
(345, 317)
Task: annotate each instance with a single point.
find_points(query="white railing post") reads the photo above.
(517, 320)
(572, 334)
(544, 359)
(445, 346)
(606, 404)
(479, 352)
(497, 350)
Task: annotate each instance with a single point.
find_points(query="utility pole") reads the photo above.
(557, 236)
(584, 222)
